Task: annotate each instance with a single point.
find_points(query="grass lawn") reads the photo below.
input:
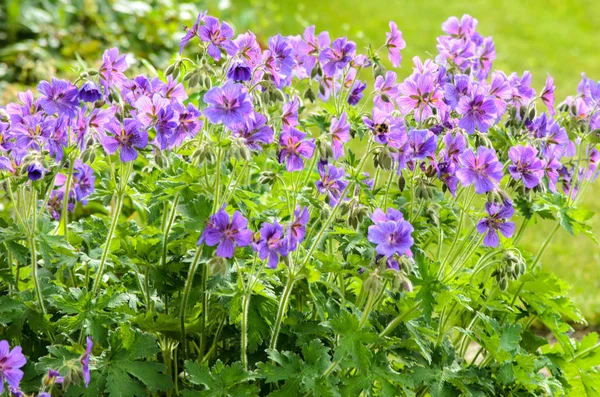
(560, 37)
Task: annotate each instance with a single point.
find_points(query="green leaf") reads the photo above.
(223, 380)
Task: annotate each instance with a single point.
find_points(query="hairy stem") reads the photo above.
(283, 303)
(186, 294)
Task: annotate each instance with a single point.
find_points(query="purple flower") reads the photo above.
(483, 170)
(172, 90)
(126, 138)
(83, 180)
(111, 70)
(423, 143)
(229, 104)
(188, 123)
(446, 170)
(10, 363)
(552, 166)
(454, 92)
(218, 35)
(190, 33)
(391, 233)
(388, 130)
(454, 146)
(501, 92)
(59, 97)
(239, 71)
(85, 361)
(90, 92)
(35, 171)
(289, 113)
(279, 58)
(419, 94)
(271, 243)
(394, 43)
(227, 233)
(387, 91)
(525, 165)
(547, 95)
(293, 148)
(356, 93)
(148, 108)
(248, 49)
(460, 29)
(478, 112)
(297, 229)
(337, 56)
(55, 203)
(255, 131)
(340, 134)
(331, 182)
(53, 377)
(497, 220)
(522, 93)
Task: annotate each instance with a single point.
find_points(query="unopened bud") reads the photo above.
(217, 265)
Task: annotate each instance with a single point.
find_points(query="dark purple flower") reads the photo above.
(340, 134)
(547, 95)
(337, 56)
(90, 92)
(388, 130)
(85, 361)
(331, 182)
(126, 138)
(83, 181)
(356, 93)
(294, 147)
(297, 229)
(478, 112)
(497, 220)
(218, 35)
(394, 43)
(229, 104)
(255, 131)
(59, 97)
(483, 170)
(35, 171)
(271, 243)
(111, 70)
(226, 233)
(391, 233)
(423, 143)
(10, 363)
(190, 33)
(239, 71)
(165, 125)
(446, 170)
(525, 165)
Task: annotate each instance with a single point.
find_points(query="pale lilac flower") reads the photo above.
(337, 56)
(85, 361)
(297, 228)
(478, 113)
(148, 108)
(289, 113)
(332, 182)
(60, 97)
(391, 233)
(248, 49)
(111, 70)
(460, 29)
(188, 123)
(190, 33)
(418, 93)
(387, 91)
(124, 138)
(454, 145)
(547, 95)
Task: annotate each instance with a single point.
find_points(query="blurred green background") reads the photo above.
(39, 38)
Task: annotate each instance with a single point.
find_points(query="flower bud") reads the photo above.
(401, 183)
(217, 265)
(325, 151)
(372, 284)
(310, 95)
(267, 178)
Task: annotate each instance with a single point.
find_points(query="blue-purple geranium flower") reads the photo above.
(525, 165)
(60, 97)
(478, 112)
(482, 169)
(85, 361)
(255, 131)
(228, 104)
(394, 43)
(126, 138)
(297, 228)
(294, 147)
(218, 35)
(497, 220)
(337, 56)
(340, 134)
(271, 244)
(227, 233)
(331, 182)
(11, 362)
(391, 232)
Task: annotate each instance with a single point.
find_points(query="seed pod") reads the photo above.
(267, 178)
(170, 69)
(503, 283)
(401, 183)
(310, 95)
(378, 70)
(325, 150)
(385, 98)
(532, 112)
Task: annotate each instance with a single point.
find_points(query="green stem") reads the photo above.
(283, 303)
(186, 293)
(204, 300)
(244, 342)
(65, 210)
(394, 323)
(217, 186)
(111, 232)
(34, 273)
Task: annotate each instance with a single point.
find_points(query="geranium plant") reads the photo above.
(255, 221)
